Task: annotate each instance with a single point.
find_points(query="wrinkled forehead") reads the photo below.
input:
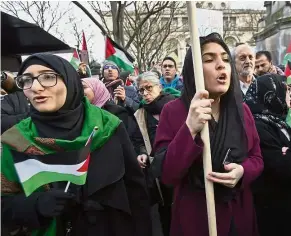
(245, 50)
(145, 83)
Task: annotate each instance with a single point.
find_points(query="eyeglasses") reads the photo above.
(170, 66)
(112, 67)
(46, 80)
(148, 88)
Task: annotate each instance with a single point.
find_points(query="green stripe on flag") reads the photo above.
(75, 63)
(120, 63)
(286, 58)
(45, 177)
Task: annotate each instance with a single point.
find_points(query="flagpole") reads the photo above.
(88, 140)
(199, 81)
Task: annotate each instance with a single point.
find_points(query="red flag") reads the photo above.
(288, 63)
(76, 55)
(84, 45)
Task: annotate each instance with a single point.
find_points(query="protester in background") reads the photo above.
(98, 95)
(82, 70)
(14, 108)
(7, 82)
(170, 78)
(235, 150)
(14, 105)
(147, 117)
(269, 100)
(125, 96)
(265, 65)
(124, 75)
(244, 57)
(62, 121)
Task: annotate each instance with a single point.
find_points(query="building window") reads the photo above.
(175, 21)
(185, 20)
(232, 20)
(223, 5)
(210, 5)
(198, 5)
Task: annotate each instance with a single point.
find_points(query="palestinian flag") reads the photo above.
(115, 53)
(75, 60)
(35, 171)
(287, 64)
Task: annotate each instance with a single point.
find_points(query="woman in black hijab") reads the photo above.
(53, 144)
(236, 157)
(269, 99)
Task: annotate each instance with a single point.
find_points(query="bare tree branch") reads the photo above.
(41, 13)
(150, 13)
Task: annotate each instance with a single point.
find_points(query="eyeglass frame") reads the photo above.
(111, 66)
(149, 91)
(36, 78)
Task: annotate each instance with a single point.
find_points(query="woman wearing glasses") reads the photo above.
(269, 100)
(61, 122)
(147, 117)
(235, 150)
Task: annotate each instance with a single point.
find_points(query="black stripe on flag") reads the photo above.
(59, 158)
(116, 45)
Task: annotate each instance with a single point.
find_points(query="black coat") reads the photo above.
(114, 200)
(272, 192)
(124, 114)
(14, 108)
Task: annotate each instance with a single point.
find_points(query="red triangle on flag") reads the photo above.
(84, 167)
(288, 68)
(84, 44)
(109, 49)
(76, 55)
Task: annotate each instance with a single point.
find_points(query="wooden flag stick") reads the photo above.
(199, 81)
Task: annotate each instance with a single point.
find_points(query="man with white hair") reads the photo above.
(244, 57)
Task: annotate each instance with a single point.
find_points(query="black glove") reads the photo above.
(53, 202)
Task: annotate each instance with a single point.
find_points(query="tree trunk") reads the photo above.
(114, 12)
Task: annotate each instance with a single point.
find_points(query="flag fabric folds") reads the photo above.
(35, 171)
(75, 60)
(115, 53)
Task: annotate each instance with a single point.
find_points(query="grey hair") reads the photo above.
(233, 52)
(148, 76)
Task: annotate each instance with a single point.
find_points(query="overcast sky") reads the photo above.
(97, 42)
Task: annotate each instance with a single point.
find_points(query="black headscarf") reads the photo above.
(67, 122)
(266, 97)
(229, 132)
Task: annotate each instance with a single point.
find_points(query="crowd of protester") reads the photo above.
(146, 160)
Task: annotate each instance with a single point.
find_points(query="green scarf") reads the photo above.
(23, 137)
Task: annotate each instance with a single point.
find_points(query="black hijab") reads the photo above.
(67, 122)
(266, 97)
(229, 132)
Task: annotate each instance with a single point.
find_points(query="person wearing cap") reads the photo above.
(125, 96)
(82, 71)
